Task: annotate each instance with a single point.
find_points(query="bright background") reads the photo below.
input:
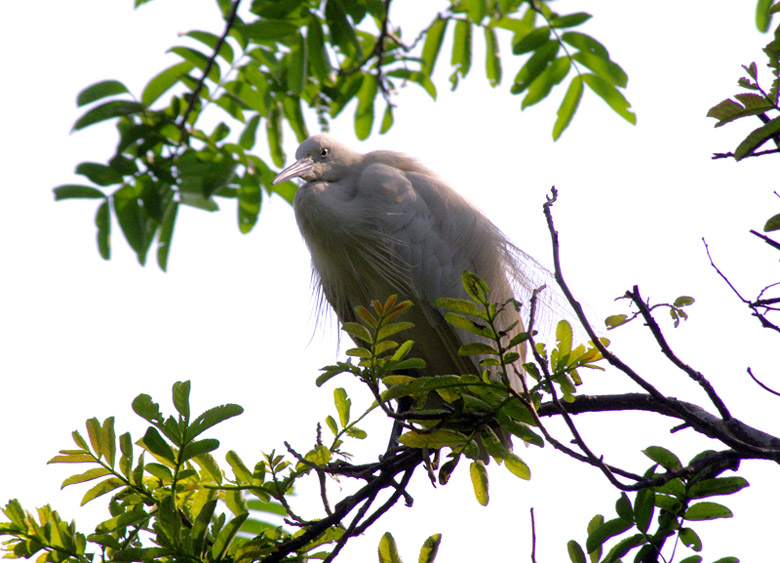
(80, 337)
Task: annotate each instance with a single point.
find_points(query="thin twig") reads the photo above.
(766, 388)
(230, 21)
(697, 376)
(533, 536)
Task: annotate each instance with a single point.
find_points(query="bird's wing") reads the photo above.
(437, 235)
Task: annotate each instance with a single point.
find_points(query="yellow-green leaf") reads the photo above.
(479, 480)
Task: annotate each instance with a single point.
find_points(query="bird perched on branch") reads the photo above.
(381, 223)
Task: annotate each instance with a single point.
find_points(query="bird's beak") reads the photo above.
(295, 170)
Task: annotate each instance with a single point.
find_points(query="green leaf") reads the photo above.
(568, 107)
(181, 398)
(477, 10)
(166, 234)
(772, 224)
(585, 43)
(603, 67)
(707, 511)
(226, 535)
(460, 321)
(296, 66)
(534, 66)
(93, 473)
(147, 409)
(100, 90)
(126, 460)
(623, 507)
(607, 530)
(211, 40)
(518, 429)
(461, 48)
(644, 507)
(358, 331)
(100, 174)
(109, 110)
(264, 30)
(212, 417)
(757, 138)
(474, 348)
(123, 520)
(108, 441)
(611, 96)
(387, 120)
(432, 46)
(197, 448)
(342, 405)
(319, 60)
(479, 480)
(690, 539)
(517, 466)
(624, 546)
(429, 549)
(240, 470)
(662, 457)
(249, 134)
(461, 306)
(492, 57)
(95, 436)
(552, 75)
(531, 41)
(164, 81)
(763, 17)
(342, 33)
(105, 486)
(273, 129)
(570, 20)
(103, 224)
(433, 440)
(614, 321)
(72, 191)
(199, 60)
(153, 442)
(388, 550)
(129, 214)
(576, 555)
(563, 336)
(364, 114)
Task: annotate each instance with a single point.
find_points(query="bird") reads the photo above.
(381, 223)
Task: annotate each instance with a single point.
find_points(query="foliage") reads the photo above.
(286, 63)
(677, 511)
(183, 505)
(756, 100)
(290, 58)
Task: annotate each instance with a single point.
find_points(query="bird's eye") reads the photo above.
(324, 152)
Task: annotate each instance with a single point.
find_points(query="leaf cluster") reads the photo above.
(181, 502)
(676, 506)
(283, 63)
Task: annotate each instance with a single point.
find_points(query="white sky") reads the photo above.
(80, 337)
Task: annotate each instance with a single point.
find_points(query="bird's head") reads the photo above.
(320, 158)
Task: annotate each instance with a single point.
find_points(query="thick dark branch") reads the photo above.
(771, 242)
(672, 357)
(403, 461)
(762, 445)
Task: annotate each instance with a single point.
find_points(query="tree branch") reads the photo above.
(230, 21)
